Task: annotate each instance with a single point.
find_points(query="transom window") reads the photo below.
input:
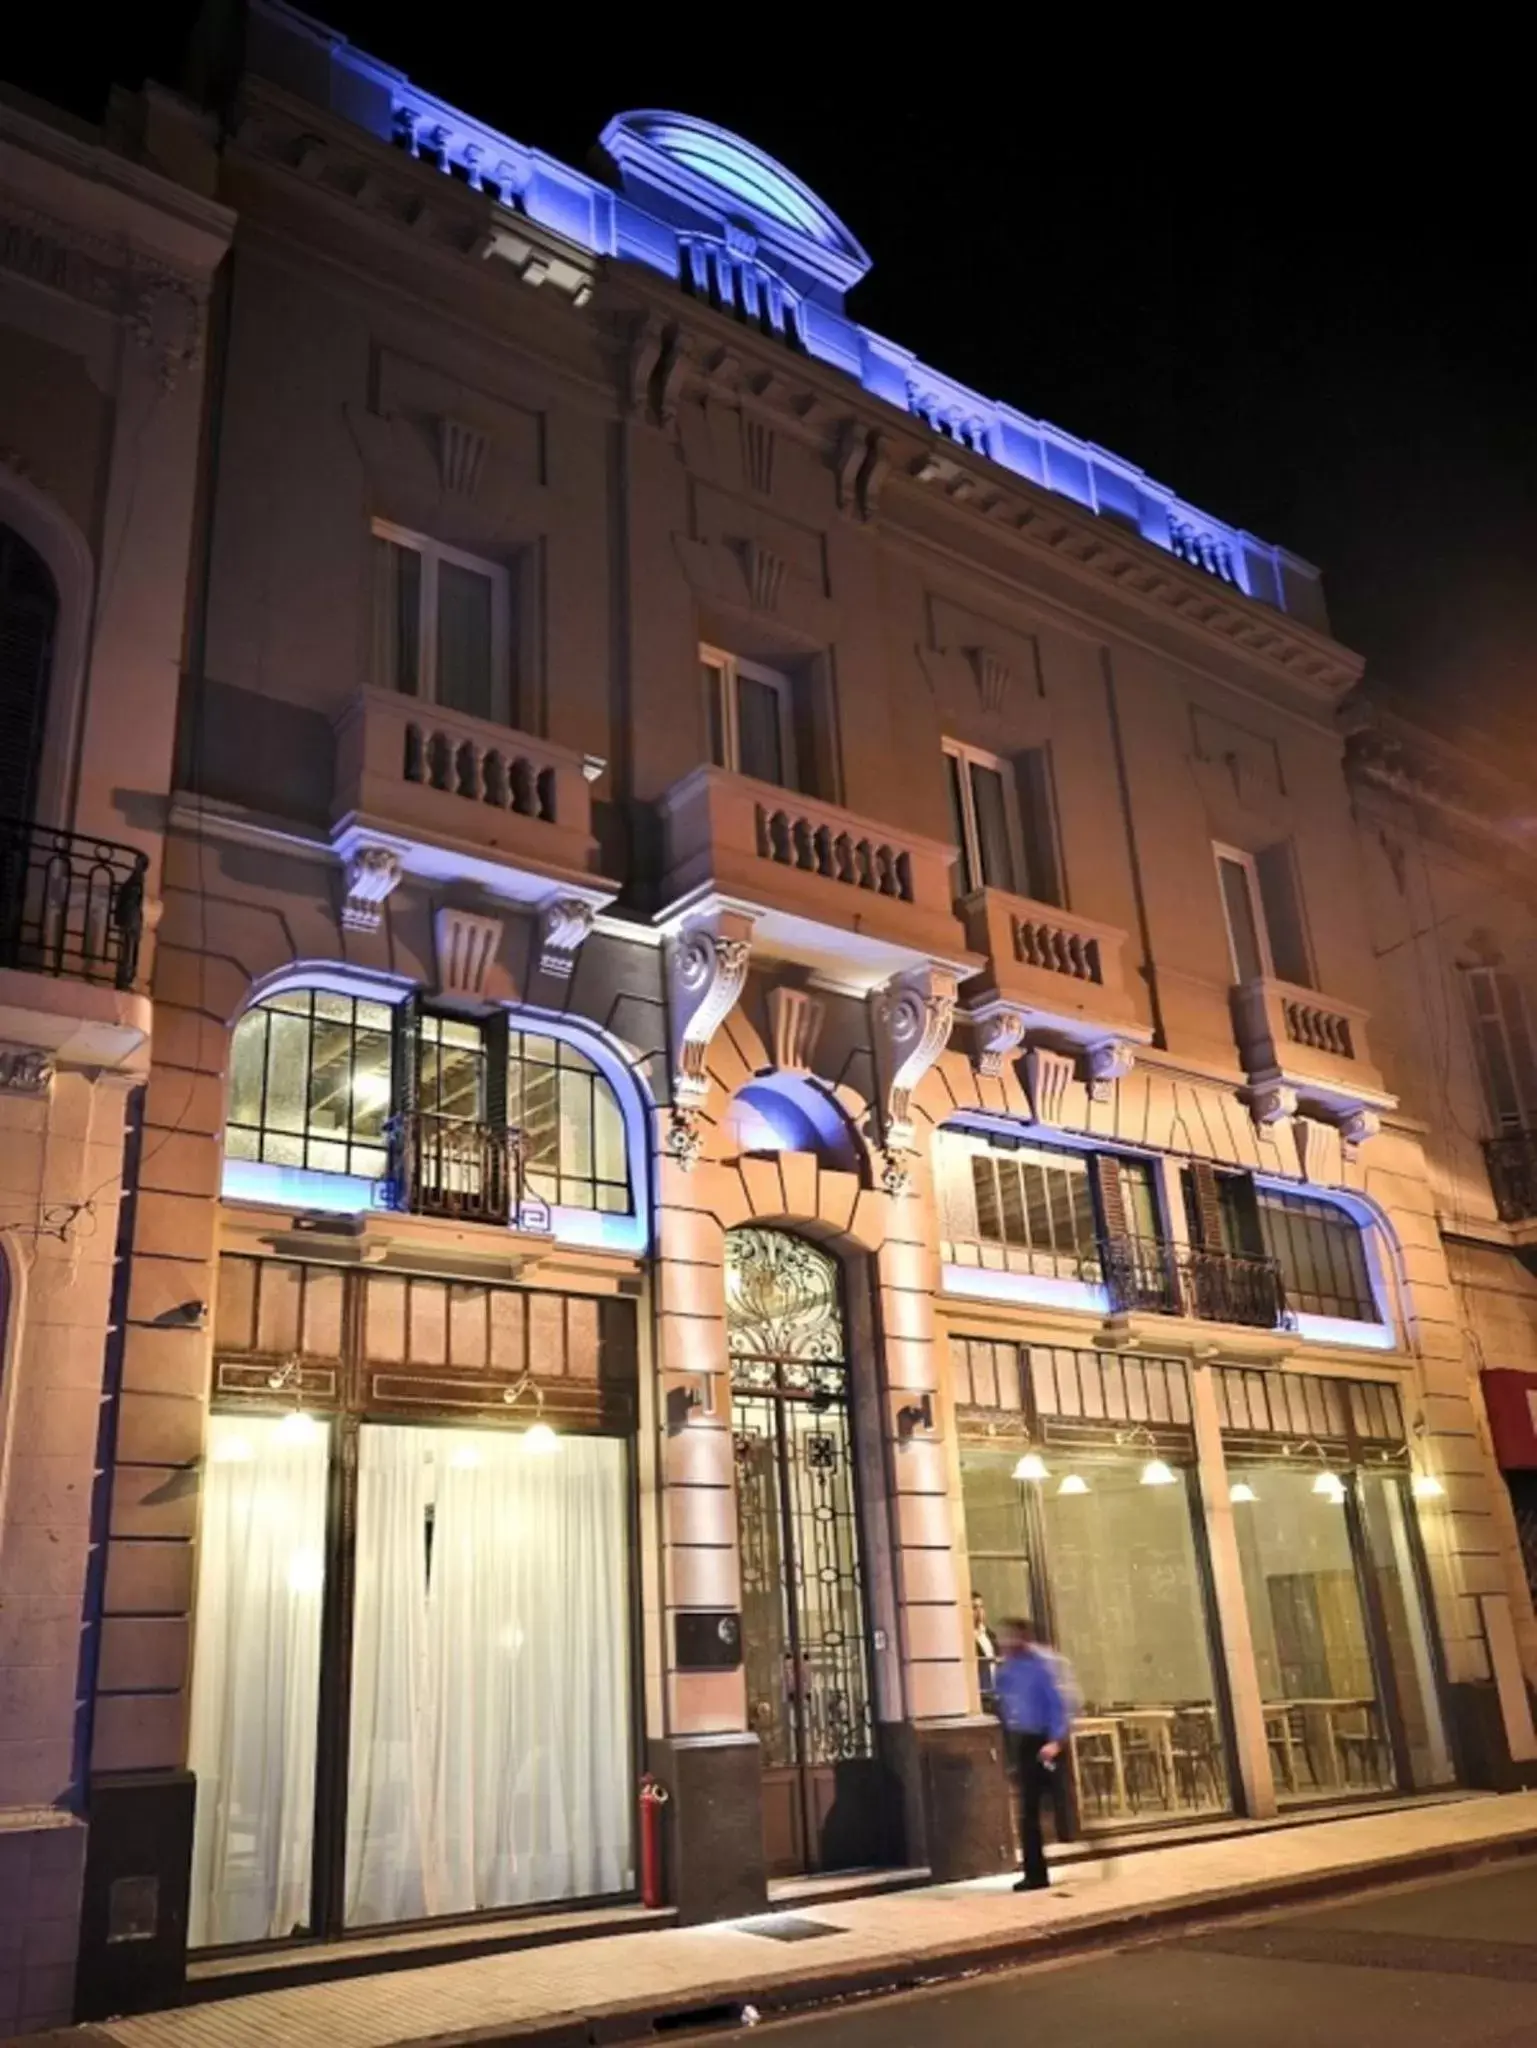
(752, 717)
(442, 624)
(316, 1077)
(310, 1083)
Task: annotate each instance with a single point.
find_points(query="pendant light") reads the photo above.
(1426, 1486)
(1156, 1473)
(540, 1440)
(297, 1427)
(1240, 1493)
(1072, 1482)
(1330, 1486)
(1031, 1469)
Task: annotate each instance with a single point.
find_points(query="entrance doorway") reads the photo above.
(803, 1606)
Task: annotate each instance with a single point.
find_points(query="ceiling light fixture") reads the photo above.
(1073, 1482)
(1241, 1492)
(1032, 1469)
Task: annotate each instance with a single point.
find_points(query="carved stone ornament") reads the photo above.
(467, 946)
(1047, 1075)
(1357, 1128)
(564, 923)
(795, 1024)
(910, 1021)
(462, 452)
(372, 876)
(758, 442)
(1108, 1062)
(167, 320)
(896, 1176)
(1272, 1103)
(25, 1070)
(860, 464)
(997, 1034)
(765, 573)
(706, 970)
(993, 676)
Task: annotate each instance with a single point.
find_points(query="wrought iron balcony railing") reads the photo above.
(450, 1166)
(1512, 1163)
(1146, 1275)
(70, 905)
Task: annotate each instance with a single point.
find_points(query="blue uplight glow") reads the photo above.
(981, 1284)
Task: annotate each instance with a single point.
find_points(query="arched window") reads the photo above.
(438, 1107)
(29, 614)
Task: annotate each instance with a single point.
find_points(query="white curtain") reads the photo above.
(490, 1761)
(256, 1677)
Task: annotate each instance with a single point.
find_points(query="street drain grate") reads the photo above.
(786, 1927)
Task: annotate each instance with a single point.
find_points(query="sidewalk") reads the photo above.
(617, 1988)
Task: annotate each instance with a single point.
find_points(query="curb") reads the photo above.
(717, 2007)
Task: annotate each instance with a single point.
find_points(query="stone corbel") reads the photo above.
(372, 876)
(1047, 1075)
(25, 1070)
(564, 923)
(1106, 1063)
(706, 970)
(795, 1024)
(1271, 1103)
(1357, 1128)
(910, 1021)
(997, 1033)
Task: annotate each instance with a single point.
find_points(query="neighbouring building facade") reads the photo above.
(756, 1041)
(105, 268)
(1452, 897)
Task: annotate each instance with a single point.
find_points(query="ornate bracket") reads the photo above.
(1108, 1062)
(466, 945)
(910, 1021)
(1272, 1103)
(372, 876)
(1357, 1128)
(564, 923)
(1047, 1075)
(706, 969)
(997, 1033)
(795, 1023)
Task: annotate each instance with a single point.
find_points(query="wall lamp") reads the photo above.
(696, 1397)
(914, 1416)
(538, 1437)
(1157, 1471)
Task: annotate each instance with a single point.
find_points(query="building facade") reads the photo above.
(756, 1044)
(104, 274)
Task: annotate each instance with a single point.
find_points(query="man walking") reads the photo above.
(1035, 1719)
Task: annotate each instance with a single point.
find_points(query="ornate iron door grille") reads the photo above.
(802, 1588)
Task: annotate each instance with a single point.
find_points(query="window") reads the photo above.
(1262, 908)
(1001, 817)
(442, 627)
(29, 613)
(1504, 1035)
(310, 1083)
(1054, 1209)
(752, 717)
(574, 1149)
(1317, 1245)
(315, 1078)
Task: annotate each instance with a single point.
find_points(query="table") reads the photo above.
(1319, 1738)
(1160, 1723)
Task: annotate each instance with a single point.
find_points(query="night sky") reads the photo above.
(1293, 291)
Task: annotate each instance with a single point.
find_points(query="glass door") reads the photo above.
(1401, 1600)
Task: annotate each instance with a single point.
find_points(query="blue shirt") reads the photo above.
(1029, 1697)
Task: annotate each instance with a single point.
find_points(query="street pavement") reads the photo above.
(1445, 1963)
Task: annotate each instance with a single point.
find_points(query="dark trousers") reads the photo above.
(1033, 1781)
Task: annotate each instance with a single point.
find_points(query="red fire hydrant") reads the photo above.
(653, 1797)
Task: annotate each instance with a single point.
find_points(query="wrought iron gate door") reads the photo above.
(803, 1616)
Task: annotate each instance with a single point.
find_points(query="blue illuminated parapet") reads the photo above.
(728, 224)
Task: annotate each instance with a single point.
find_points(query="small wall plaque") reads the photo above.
(707, 1639)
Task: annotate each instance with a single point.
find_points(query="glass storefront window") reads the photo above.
(1324, 1721)
(1109, 1567)
(1386, 1523)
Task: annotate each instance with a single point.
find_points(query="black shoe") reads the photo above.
(1033, 1884)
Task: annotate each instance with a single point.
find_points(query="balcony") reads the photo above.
(450, 1166)
(1148, 1276)
(1512, 1162)
(460, 798)
(848, 896)
(1064, 972)
(71, 932)
(1294, 1038)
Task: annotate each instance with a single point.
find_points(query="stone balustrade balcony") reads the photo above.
(851, 897)
(1313, 1044)
(461, 797)
(1065, 973)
